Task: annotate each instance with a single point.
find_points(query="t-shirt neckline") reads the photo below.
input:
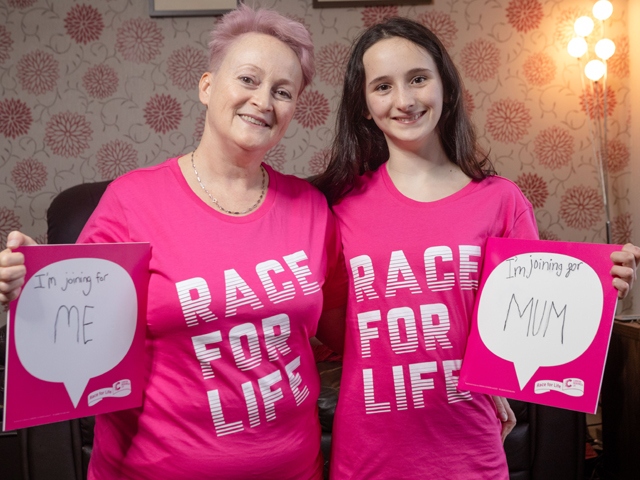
(398, 195)
(258, 213)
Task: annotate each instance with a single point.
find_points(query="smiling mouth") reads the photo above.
(255, 121)
(410, 119)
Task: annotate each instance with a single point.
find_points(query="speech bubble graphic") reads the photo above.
(75, 320)
(540, 309)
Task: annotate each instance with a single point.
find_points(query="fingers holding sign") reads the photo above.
(624, 271)
(12, 269)
(505, 414)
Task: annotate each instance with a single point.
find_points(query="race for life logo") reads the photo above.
(121, 388)
(573, 387)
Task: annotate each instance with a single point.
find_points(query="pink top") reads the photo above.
(232, 383)
(413, 270)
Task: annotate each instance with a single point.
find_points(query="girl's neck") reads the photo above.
(424, 176)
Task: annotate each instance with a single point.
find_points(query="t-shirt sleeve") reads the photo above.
(335, 287)
(107, 223)
(524, 224)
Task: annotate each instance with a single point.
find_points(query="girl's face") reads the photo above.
(404, 93)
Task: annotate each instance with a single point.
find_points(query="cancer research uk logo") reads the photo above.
(573, 387)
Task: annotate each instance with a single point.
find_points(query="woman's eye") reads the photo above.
(247, 80)
(284, 94)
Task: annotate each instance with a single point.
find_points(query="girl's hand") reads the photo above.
(624, 271)
(505, 414)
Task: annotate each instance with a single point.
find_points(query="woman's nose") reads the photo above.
(262, 99)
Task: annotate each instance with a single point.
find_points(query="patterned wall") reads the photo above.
(90, 90)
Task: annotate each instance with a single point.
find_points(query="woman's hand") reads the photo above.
(505, 414)
(624, 271)
(12, 269)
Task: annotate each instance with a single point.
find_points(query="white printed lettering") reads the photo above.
(419, 384)
(301, 272)
(435, 333)
(366, 333)
(204, 355)
(468, 267)
(235, 285)
(276, 341)
(363, 276)
(254, 357)
(410, 333)
(270, 397)
(451, 369)
(195, 299)
(370, 405)
(287, 292)
(400, 275)
(295, 380)
(222, 427)
(448, 279)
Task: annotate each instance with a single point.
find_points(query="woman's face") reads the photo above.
(403, 91)
(251, 97)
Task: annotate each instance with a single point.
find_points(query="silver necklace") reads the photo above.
(215, 200)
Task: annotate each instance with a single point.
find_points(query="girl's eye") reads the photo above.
(383, 87)
(420, 79)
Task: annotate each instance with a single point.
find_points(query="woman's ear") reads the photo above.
(366, 114)
(204, 87)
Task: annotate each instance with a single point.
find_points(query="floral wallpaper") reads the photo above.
(90, 90)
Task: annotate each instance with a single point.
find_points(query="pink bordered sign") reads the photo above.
(542, 323)
(75, 336)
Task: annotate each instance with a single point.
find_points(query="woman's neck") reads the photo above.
(227, 160)
(234, 180)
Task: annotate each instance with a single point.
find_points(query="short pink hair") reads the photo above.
(244, 19)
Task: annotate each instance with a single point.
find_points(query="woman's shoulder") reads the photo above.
(145, 176)
(293, 184)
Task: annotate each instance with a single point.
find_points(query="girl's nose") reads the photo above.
(404, 98)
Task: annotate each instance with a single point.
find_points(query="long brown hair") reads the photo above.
(360, 146)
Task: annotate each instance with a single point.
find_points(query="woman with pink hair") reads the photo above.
(240, 254)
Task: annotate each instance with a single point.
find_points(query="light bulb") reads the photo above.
(605, 48)
(602, 9)
(594, 70)
(577, 47)
(583, 26)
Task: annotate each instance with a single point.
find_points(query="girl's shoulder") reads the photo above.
(502, 188)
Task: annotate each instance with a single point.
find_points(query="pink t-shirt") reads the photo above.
(232, 384)
(413, 270)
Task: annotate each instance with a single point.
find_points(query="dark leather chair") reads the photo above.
(546, 444)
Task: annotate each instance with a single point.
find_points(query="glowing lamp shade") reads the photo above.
(602, 9)
(605, 48)
(594, 70)
(577, 47)
(583, 26)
